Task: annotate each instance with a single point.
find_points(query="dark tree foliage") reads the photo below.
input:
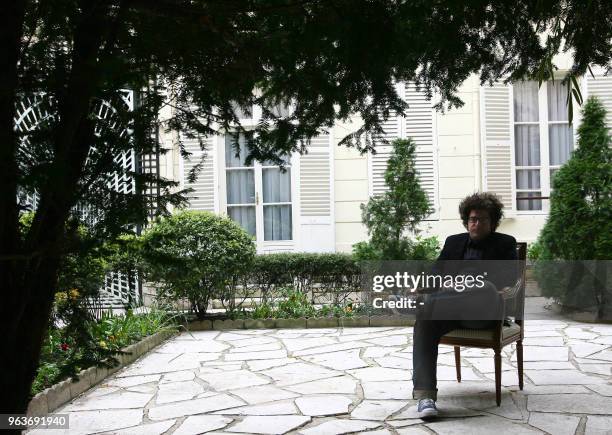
(330, 58)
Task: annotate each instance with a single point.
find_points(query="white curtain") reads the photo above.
(531, 204)
(277, 218)
(277, 222)
(231, 161)
(276, 185)
(528, 179)
(276, 188)
(557, 96)
(245, 216)
(240, 186)
(527, 145)
(526, 108)
(560, 143)
(560, 136)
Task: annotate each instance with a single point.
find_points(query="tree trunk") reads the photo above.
(29, 268)
(23, 346)
(14, 360)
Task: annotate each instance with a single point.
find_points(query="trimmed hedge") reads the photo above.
(333, 274)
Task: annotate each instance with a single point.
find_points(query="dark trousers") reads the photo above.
(427, 334)
(449, 310)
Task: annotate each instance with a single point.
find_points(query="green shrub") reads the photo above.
(332, 275)
(294, 304)
(390, 216)
(579, 226)
(63, 355)
(196, 256)
(534, 250)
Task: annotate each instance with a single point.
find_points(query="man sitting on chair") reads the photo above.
(480, 213)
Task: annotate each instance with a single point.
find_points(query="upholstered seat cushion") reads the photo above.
(484, 334)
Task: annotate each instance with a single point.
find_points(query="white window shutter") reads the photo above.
(600, 86)
(315, 175)
(316, 221)
(497, 144)
(417, 124)
(203, 195)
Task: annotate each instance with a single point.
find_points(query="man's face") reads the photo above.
(479, 224)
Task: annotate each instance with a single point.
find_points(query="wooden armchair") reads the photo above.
(500, 336)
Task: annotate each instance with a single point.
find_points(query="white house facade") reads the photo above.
(507, 139)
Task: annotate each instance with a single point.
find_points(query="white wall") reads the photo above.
(459, 163)
(350, 189)
(459, 174)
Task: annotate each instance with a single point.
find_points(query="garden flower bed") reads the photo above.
(67, 369)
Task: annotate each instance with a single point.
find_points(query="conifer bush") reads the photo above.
(579, 226)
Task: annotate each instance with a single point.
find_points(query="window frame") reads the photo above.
(261, 244)
(545, 167)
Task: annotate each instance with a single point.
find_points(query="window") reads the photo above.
(276, 202)
(258, 195)
(543, 140)
(240, 181)
(242, 112)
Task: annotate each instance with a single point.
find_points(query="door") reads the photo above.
(259, 196)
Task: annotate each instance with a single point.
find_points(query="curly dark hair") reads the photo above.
(482, 201)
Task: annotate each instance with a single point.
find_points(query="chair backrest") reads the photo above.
(515, 306)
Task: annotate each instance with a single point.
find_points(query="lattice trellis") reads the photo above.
(119, 288)
(149, 164)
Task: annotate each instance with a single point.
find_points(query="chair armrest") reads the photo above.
(511, 292)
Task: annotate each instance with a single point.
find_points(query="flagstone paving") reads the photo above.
(351, 380)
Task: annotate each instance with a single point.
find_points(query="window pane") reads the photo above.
(276, 185)
(528, 179)
(245, 216)
(560, 143)
(285, 158)
(529, 204)
(557, 97)
(277, 222)
(527, 145)
(240, 186)
(231, 160)
(242, 113)
(525, 101)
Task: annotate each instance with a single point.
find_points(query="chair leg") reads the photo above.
(498, 376)
(519, 360)
(458, 362)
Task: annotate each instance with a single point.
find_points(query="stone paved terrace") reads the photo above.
(353, 380)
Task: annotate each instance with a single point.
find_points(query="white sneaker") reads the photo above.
(427, 408)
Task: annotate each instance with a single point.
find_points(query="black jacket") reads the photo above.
(496, 246)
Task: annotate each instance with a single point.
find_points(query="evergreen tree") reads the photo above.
(580, 223)
(399, 210)
(579, 226)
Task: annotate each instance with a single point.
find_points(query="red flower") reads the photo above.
(64, 346)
